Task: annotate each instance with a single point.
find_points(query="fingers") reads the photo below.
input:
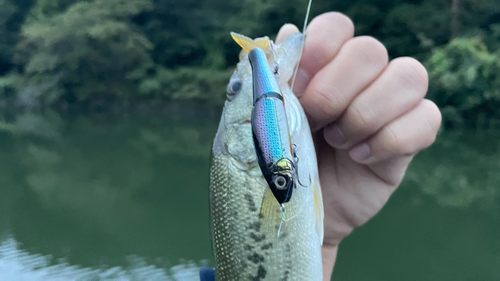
(404, 136)
(358, 63)
(325, 36)
(285, 30)
(399, 88)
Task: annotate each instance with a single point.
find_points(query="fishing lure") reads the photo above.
(271, 135)
(270, 131)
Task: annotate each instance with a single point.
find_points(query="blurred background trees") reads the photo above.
(98, 53)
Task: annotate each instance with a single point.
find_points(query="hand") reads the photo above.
(369, 119)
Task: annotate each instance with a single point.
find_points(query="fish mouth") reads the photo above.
(243, 122)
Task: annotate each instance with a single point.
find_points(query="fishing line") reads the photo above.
(284, 218)
(283, 211)
(302, 48)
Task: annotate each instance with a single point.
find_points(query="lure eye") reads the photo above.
(233, 88)
(280, 181)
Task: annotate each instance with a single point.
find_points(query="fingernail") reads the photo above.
(360, 153)
(334, 136)
(301, 81)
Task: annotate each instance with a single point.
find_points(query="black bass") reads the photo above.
(257, 235)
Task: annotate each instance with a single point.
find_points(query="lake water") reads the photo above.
(125, 197)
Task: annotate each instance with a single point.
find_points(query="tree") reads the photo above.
(465, 81)
(84, 53)
(12, 15)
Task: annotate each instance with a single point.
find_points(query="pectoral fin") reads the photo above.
(270, 216)
(318, 209)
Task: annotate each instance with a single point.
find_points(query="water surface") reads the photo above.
(125, 197)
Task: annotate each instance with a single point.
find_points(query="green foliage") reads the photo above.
(184, 83)
(7, 11)
(465, 81)
(8, 85)
(12, 16)
(406, 33)
(84, 53)
(96, 53)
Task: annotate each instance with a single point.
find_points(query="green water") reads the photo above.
(125, 197)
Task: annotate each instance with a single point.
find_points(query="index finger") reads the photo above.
(325, 35)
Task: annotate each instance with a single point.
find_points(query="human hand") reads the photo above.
(369, 119)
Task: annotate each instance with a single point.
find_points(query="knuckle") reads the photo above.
(395, 143)
(367, 49)
(325, 36)
(320, 50)
(433, 121)
(327, 101)
(426, 123)
(341, 22)
(411, 74)
(286, 30)
(362, 117)
(433, 114)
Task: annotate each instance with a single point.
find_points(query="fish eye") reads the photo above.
(233, 88)
(280, 181)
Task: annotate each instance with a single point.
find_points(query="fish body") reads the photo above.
(252, 238)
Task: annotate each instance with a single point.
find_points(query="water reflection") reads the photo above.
(461, 169)
(16, 264)
(125, 197)
(107, 195)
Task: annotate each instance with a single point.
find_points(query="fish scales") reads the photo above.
(245, 216)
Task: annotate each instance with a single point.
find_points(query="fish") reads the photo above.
(256, 235)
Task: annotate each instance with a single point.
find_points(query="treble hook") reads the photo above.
(283, 217)
(296, 158)
(276, 70)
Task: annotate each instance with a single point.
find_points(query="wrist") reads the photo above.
(329, 255)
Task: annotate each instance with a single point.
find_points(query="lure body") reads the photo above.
(270, 129)
(245, 215)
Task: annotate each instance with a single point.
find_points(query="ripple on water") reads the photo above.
(19, 265)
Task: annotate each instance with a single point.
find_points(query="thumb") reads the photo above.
(285, 30)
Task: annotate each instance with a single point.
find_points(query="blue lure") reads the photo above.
(270, 131)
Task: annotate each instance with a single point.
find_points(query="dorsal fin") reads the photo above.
(247, 44)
